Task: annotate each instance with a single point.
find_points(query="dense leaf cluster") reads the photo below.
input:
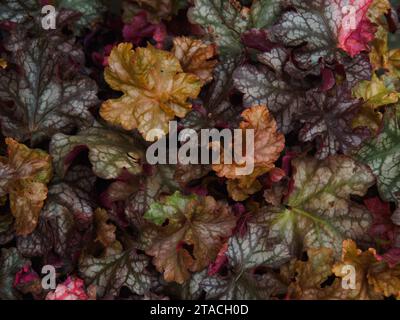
(318, 84)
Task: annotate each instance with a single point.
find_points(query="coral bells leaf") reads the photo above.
(268, 145)
(356, 30)
(319, 211)
(31, 171)
(35, 101)
(258, 247)
(191, 239)
(195, 57)
(110, 152)
(321, 27)
(11, 262)
(155, 89)
(328, 120)
(71, 289)
(68, 212)
(3, 63)
(373, 278)
(111, 272)
(224, 21)
(382, 154)
(202, 149)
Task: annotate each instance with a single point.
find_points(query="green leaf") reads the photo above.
(264, 12)
(110, 152)
(138, 193)
(223, 21)
(319, 211)
(382, 155)
(226, 20)
(171, 206)
(192, 237)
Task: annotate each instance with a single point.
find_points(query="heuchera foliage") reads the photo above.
(317, 80)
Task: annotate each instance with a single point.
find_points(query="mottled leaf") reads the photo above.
(195, 57)
(258, 247)
(28, 171)
(69, 208)
(328, 120)
(10, 263)
(319, 211)
(110, 273)
(268, 144)
(382, 154)
(320, 27)
(37, 103)
(91, 10)
(155, 89)
(261, 86)
(110, 152)
(194, 222)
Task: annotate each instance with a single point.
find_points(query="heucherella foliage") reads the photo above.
(155, 89)
(200, 149)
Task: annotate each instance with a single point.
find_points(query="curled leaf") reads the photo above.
(268, 144)
(29, 170)
(375, 94)
(155, 89)
(192, 237)
(67, 213)
(195, 57)
(110, 152)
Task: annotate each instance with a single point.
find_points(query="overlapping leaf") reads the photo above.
(36, 102)
(261, 86)
(259, 247)
(195, 57)
(138, 193)
(117, 226)
(192, 237)
(268, 144)
(382, 154)
(374, 279)
(226, 21)
(25, 173)
(319, 211)
(68, 210)
(320, 27)
(110, 273)
(328, 120)
(10, 263)
(110, 152)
